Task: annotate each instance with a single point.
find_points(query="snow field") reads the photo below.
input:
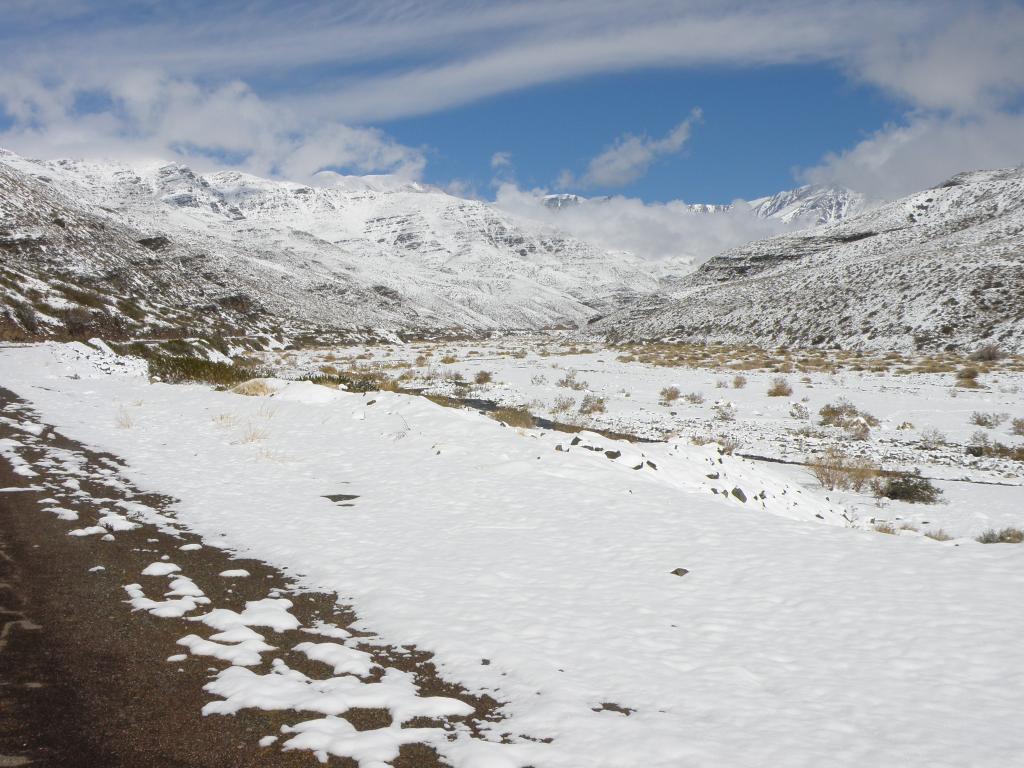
(544, 577)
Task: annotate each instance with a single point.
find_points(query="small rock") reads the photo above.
(739, 494)
(680, 571)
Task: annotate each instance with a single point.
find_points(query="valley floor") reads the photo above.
(623, 603)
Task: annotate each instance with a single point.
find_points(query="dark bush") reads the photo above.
(178, 369)
(910, 488)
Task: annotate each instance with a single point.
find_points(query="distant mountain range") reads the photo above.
(236, 251)
(107, 249)
(939, 269)
(808, 205)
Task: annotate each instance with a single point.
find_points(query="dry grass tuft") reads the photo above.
(253, 388)
(483, 377)
(513, 417)
(123, 419)
(591, 404)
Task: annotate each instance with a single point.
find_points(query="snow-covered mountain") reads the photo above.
(808, 205)
(349, 253)
(940, 269)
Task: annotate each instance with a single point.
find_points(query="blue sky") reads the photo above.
(758, 126)
(595, 96)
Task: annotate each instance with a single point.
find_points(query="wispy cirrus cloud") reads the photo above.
(288, 87)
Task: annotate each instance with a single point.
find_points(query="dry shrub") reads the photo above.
(968, 378)
(724, 410)
(845, 415)
(563, 404)
(1005, 536)
(780, 387)
(835, 469)
(988, 420)
(591, 404)
(988, 353)
(513, 417)
(911, 488)
(1017, 427)
(884, 527)
(932, 439)
(669, 395)
(253, 388)
(693, 398)
(726, 445)
(938, 535)
(569, 381)
(739, 382)
(449, 359)
(483, 377)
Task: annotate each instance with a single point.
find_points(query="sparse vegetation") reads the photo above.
(988, 420)
(780, 387)
(1017, 427)
(799, 411)
(563, 404)
(968, 378)
(669, 395)
(693, 398)
(988, 353)
(938, 535)
(932, 439)
(513, 417)
(569, 381)
(253, 388)
(836, 469)
(591, 404)
(911, 488)
(124, 419)
(179, 369)
(885, 527)
(1005, 536)
(845, 415)
(483, 377)
(724, 410)
(739, 381)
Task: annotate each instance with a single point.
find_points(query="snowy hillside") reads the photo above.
(943, 268)
(369, 252)
(809, 205)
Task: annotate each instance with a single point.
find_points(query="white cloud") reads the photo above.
(656, 231)
(630, 156)
(923, 152)
(501, 160)
(154, 117)
(287, 85)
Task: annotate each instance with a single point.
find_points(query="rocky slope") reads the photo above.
(940, 269)
(233, 250)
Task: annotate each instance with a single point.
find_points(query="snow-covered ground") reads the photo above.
(631, 604)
